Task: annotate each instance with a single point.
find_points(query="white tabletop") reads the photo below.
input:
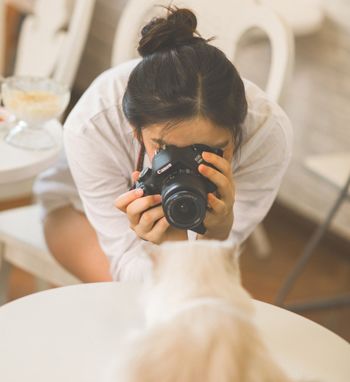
(72, 334)
(17, 164)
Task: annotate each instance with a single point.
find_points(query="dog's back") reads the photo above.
(199, 322)
(204, 345)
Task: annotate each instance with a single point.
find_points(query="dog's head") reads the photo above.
(208, 265)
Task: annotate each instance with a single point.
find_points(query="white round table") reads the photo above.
(72, 334)
(18, 164)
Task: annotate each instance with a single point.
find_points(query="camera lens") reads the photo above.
(185, 210)
(184, 201)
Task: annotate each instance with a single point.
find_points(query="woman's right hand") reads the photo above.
(146, 216)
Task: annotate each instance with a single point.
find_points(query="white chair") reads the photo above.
(24, 246)
(52, 39)
(51, 42)
(228, 20)
(335, 169)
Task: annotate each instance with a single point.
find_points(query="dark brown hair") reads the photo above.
(181, 76)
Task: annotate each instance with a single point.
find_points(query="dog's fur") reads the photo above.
(207, 342)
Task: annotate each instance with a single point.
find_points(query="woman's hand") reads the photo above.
(219, 218)
(146, 216)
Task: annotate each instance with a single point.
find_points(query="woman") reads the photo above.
(182, 92)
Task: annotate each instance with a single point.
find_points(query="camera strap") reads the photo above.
(140, 159)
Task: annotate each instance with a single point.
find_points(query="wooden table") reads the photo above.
(72, 334)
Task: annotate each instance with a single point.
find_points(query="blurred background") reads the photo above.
(316, 98)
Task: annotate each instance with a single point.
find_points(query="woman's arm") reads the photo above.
(263, 162)
(102, 171)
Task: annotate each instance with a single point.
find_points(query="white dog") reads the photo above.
(199, 321)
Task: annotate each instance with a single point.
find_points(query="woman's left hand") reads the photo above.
(219, 217)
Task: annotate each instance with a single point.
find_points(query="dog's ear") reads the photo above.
(153, 251)
(231, 253)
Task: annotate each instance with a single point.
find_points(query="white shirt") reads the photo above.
(102, 153)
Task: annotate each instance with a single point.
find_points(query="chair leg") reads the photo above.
(309, 251)
(261, 242)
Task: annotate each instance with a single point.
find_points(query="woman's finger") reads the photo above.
(218, 207)
(219, 162)
(125, 199)
(158, 230)
(149, 218)
(224, 185)
(135, 176)
(139, 206)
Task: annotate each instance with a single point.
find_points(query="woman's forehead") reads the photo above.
(187, 133)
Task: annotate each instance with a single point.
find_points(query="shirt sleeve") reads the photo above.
(260, 166)
(101, 172)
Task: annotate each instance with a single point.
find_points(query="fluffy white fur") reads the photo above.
(187, 339)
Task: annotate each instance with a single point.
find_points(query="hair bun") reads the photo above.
(178, 28)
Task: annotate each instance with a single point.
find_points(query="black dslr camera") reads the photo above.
(184, 190)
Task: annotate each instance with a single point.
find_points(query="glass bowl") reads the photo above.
(34, 101)
(7, 119)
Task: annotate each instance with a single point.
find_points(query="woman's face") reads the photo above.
(186, 133)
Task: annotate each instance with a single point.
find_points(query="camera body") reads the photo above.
(174, 175)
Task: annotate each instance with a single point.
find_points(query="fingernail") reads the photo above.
(211, 197)
(206, 155)
(202, 168)
(139, 191)
(157, 198)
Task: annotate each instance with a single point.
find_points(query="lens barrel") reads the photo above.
(184, 201)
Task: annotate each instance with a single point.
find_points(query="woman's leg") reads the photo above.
(73, 242)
